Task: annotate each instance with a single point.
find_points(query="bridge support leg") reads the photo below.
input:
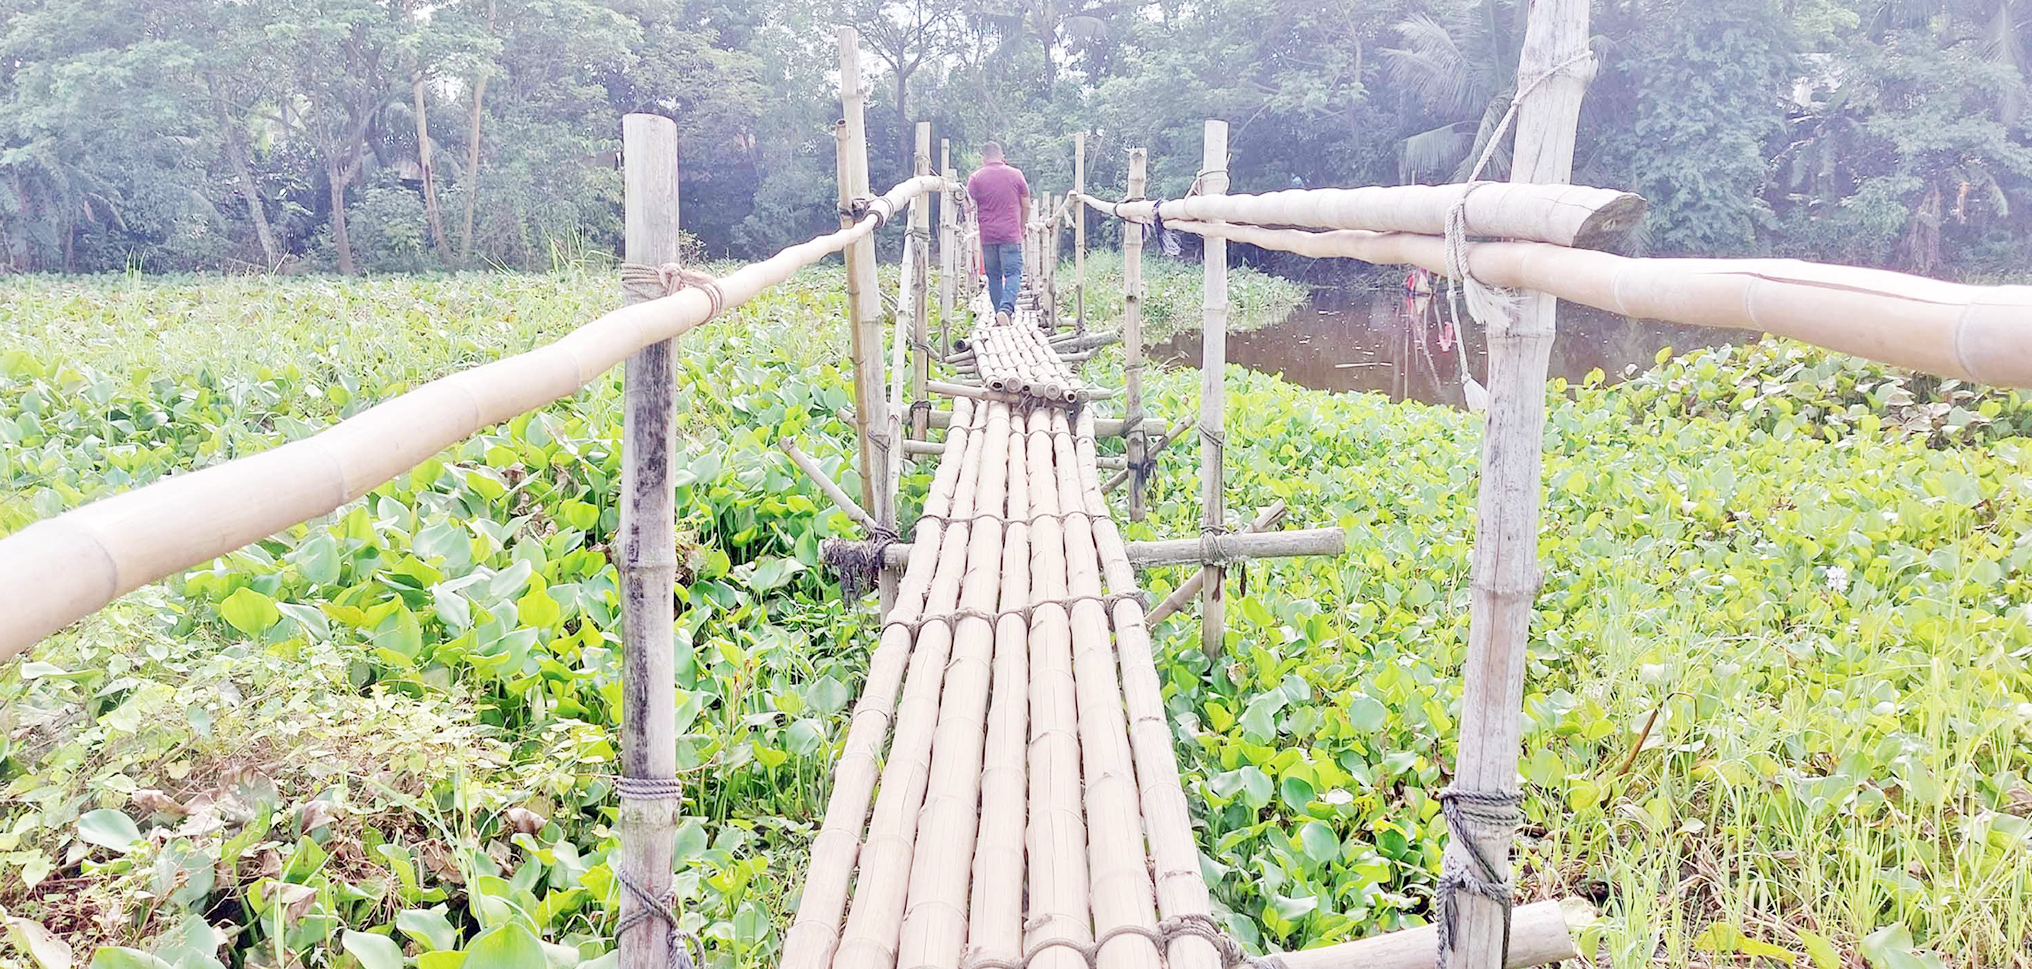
(864, 302)
(920, 274)
(647, 561)
(1132, 344)
(1213, 180)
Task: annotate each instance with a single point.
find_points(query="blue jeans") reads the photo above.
(1004, 263)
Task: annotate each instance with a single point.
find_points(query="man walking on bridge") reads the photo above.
(1002, 201)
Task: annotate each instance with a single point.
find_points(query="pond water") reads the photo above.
(1376, 342)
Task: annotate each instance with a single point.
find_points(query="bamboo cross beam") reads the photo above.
(1541, 933)
(1231, 548)
(1563, 215)
(1163, 441)
(1264, 521)
(1103, 426)
(826, 486)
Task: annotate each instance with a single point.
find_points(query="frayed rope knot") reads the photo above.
(858, 564)
(686, 951)
(1470, 817)
(641, 283)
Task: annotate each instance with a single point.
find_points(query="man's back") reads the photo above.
(998, 190)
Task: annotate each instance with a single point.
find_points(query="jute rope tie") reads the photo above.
(1470, 817)
(857, 563)
(1202, 927)
(652, 906)
(641, 283)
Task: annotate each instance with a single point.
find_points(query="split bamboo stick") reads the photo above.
(1122, 892)
(1975, 333)
(646, 547)
(1563, 215)
(1138, 443)
(995, 913)
(1174, 856)
(1060, 906)
(1213, 421)
(61, 569)
(1264, 521)
(814, 933)
(825, 484)
(934, 918)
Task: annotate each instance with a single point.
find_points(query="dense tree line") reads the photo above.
(417, 134)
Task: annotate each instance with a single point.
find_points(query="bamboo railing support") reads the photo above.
(63, 568)
(1264, 521)
(1132, 343)
(920, 322)
(1505, 568)
(1541, 933)
(1213, 422)
(647, 561)
(948, 259)
(825, 485)
(864, 304)
(1079, 233)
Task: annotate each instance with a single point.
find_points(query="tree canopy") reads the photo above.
(394, 135)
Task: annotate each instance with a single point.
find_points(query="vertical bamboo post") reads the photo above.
(920, 323)
(1213, 180)
(1079, 231)
(1505, 569)
(864, 303)
(1132, 342)
(648, 550)
(948, 259)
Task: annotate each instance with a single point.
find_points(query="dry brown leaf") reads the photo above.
(523, 820)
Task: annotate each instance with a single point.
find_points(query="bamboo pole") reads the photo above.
(864, 304)
(647, 554)
(948, 260)
(920, 323)
(1505, 570)
(1079, 232)
(1122, 890)
(1263, 522)
(1560, 214)
(1540, 934)
(995, 911)
(825, 484)
(814, 933)
(64, 568)
(1974, 333)
(1181, 890)
(1213, 423)
(1060, 906)
(1236, 547)
(1132, 344)
(934, 920)
(1103, 426)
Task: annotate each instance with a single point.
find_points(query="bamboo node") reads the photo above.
(1470, 817)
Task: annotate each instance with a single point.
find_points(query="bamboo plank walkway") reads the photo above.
(1028, 806)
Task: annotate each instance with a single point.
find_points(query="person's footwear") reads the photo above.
(1002, 317)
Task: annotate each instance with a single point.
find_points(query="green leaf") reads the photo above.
(249, 611)
(441, 960)
(429, 927)
(1319, 841)
(373, 951)
(1297, 792)
(121, 957)
(507, 946)
(108, 828)
(48, 951)
(1819, 949)
(318, 560)
(537, 609)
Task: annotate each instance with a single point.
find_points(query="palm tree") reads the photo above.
(1464, 73)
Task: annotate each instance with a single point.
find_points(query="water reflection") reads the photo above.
(1382, 343)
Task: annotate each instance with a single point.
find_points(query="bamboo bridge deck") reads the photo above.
(1031, 758)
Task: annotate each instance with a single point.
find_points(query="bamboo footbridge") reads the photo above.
(1007, 795)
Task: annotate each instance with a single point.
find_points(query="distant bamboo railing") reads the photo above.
(62, 569)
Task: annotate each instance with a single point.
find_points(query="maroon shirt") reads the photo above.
(998, 191)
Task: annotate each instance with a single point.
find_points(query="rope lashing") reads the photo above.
(920, 407)
(641, 283)
(1202, 927)
(858, 564)
(652, 906)
(1470, 817)
(1115, 208)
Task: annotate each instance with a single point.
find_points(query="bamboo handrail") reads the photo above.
(1565, 215)
(1976, 333)
(61, 569)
